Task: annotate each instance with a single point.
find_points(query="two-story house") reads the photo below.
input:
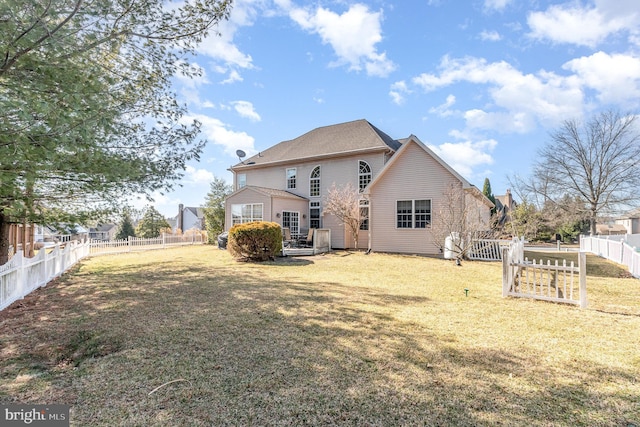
(402, 182)
(188, 218)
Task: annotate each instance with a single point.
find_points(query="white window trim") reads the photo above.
(292, 212)
(319, 207)
(239, 181)
(413, 214)
(360, 174)
(241, 217)
(319, 178)
(295, 178)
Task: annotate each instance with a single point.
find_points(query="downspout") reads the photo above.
(370, 228)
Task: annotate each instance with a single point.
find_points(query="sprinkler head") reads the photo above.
(466, 292)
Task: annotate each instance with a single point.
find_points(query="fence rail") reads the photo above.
(487, 249)
(22, 275)
(548, 282)
(618, 249)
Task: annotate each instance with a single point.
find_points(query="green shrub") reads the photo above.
(255, 241)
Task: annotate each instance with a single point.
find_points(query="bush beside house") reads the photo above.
(255, 241)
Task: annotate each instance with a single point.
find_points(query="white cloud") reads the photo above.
(398, 91)
(234, 76)
(491, 36)
(353, 36)
(444, 110)
(217, 132)
(584, 25)
(522, 98)
(198, 176)
(496, 4)
(616, 77)
(220, 45)
(246, 110)
(466, 155)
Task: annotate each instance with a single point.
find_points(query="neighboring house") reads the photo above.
(610, 229)
(630, 221)
(188, 218)
(505, 205)
(402, 184)
(63, 233)
(104, 232)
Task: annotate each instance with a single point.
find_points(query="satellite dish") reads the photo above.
(241, 153)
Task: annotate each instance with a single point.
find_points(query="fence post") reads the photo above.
(129, 243)
(505, 271)
(582, 266)
(164, 240)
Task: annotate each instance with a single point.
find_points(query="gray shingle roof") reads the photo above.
(272, 192)
(358, 135)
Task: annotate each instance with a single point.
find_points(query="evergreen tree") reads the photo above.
(486, 190)
(88, 113)
(151, 224)
(214, 208)
(126, 227)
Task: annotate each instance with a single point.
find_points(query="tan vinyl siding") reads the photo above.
(301, 206)
(247, 196)
(340, 171)
(413, 176)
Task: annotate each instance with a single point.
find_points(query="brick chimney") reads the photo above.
(179, 218)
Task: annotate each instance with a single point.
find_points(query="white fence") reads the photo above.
(487, 249)
(138, 244)
(621, 249)
(22, 275)
(548, 282)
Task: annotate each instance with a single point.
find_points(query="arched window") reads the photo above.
(314, 182)
(364, 175)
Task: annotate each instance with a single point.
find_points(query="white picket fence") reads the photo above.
(487, 249)
(623, 249)
(548, 282)
(22, 275)
(133, 244)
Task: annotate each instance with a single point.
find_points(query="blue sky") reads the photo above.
(481, 82)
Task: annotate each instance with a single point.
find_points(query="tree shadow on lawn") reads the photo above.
(258, 350)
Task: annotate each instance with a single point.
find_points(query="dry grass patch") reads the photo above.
(340, 339)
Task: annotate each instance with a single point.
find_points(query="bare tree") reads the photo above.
(597, 161)
(462, 216)
(345, 204)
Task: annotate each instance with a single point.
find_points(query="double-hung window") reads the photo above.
(413, 213)
(291, 178)
(242, 180)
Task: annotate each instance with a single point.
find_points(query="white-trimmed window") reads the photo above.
(364, 214)
(248, 212)
(364, 175)
(314, 182)
(242, 180)
(315, 215)
(291, 178)
(413, 213)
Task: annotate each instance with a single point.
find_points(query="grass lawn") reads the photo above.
(189, 337)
